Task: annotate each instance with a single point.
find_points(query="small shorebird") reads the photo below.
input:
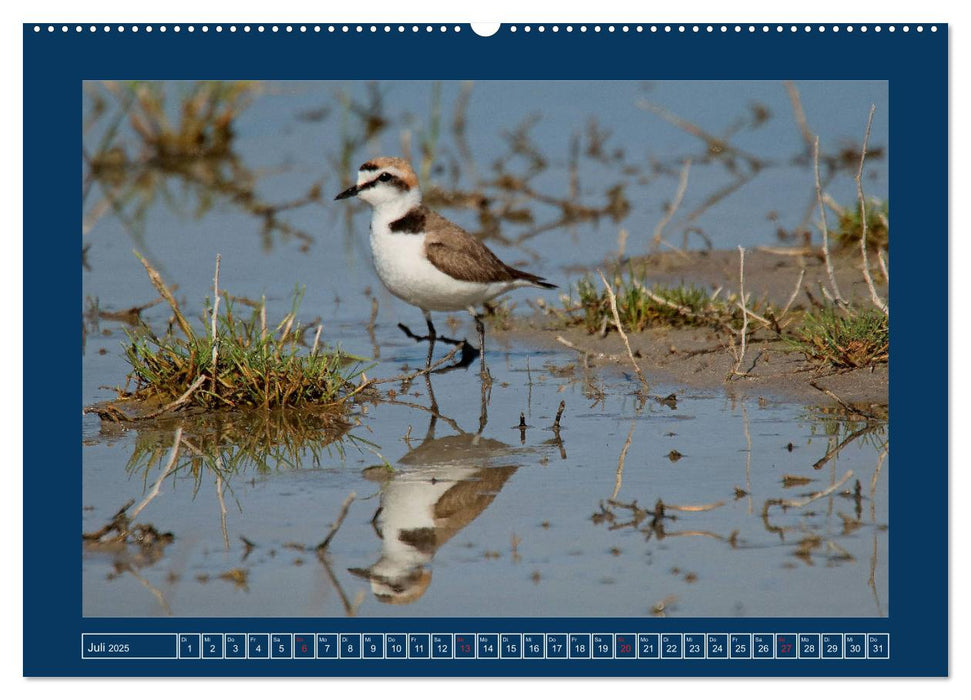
(422, 257)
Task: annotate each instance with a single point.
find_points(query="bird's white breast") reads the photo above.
(400, 261)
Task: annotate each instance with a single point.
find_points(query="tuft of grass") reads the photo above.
(849, 229)
(255, 366)
(843, 339)
(641, 307)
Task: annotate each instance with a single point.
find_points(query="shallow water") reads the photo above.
(470, 516)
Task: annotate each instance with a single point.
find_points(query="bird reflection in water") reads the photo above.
(442, 485)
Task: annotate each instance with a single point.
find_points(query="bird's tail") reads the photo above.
(532, 279)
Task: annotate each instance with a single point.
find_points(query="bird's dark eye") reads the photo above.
(385, 177)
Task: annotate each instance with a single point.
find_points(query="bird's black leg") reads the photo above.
(469, 353)
(432, 335)
(480, 328)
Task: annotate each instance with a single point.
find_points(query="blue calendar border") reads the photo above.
(914, 63)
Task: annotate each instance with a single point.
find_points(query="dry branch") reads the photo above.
(822, 217)
(877, 301)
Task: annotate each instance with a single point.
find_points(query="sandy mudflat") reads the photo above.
(701, 357)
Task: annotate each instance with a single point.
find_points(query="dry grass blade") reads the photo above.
(157, 282)
(215, 318)
(673, 208)
(745, 314)
(620, 330)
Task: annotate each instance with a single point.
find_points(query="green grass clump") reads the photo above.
(639, 307)
(849, 229)
(255, 366)
(843, 339)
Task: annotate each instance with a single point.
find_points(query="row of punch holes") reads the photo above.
(414, 28)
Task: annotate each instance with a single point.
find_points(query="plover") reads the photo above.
(422, 257)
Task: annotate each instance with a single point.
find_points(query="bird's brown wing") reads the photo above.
(458, 254)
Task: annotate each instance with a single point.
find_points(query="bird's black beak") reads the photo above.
(349, 192)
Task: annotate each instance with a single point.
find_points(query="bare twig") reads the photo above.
(847, 407)
(832, 452)
(695, 509)
(424, 370)
(313, 350)
(795, 293)
(215, 316)
(793, 503)
(337, 524)
(177, 403)
(588, 353)
(883, 266)
(822, 216)
(798, 112)
(620, 462)
(741, 304)
(620, 330)
(877, 301)
(673, 207)
(263, 317)
(559, 415)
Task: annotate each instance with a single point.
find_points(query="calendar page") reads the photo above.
(527, 350)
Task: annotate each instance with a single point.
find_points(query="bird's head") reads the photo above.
(383, 181)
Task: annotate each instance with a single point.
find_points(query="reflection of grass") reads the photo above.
(204, 128)
(243, 364)
(188, 138)
(851, 339)
(231, 443)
